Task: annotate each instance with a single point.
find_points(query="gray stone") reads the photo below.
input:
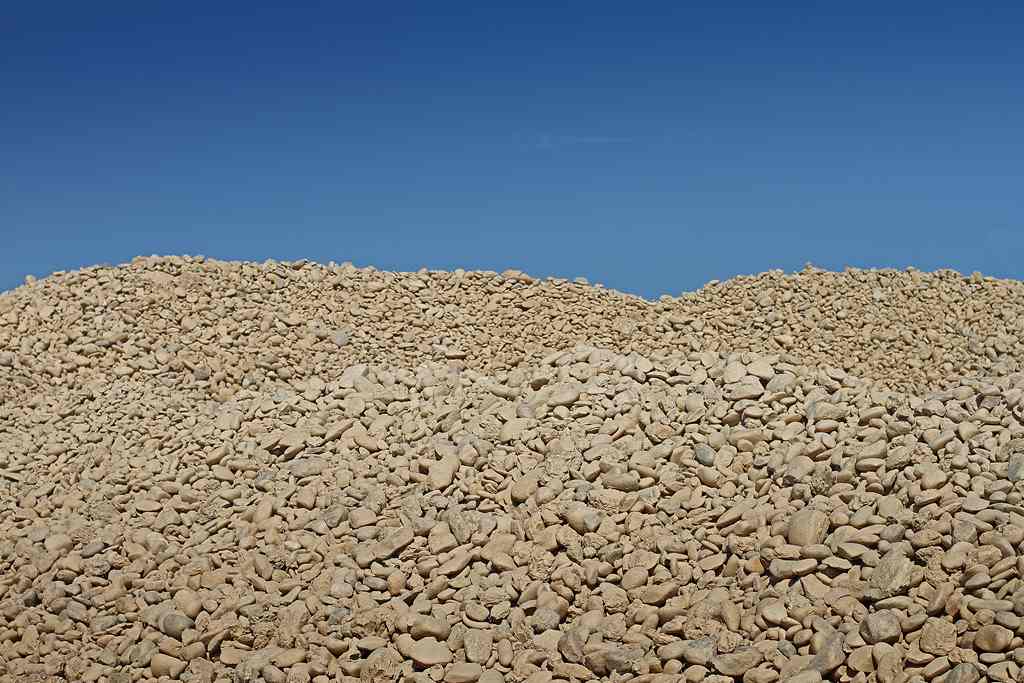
(830, 655)
(963, 673)
(737, 663)
(881, 627)
(697, 652)
(705, 454)
(1015, 469)
(890, 577)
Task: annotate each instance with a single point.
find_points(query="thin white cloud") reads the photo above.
(559, 141)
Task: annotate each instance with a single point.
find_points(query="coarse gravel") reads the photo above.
(222, 471)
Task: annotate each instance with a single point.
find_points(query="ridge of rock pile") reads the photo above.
(219, 471)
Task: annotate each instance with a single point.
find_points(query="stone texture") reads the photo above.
(737, 663)
(881, 627)
(992, 638)
(293, 472)
(938, 637)
(808, 527)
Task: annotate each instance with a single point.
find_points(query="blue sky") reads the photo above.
(647, 146)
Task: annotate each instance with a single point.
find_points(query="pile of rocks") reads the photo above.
(296, 473)
(242, 324)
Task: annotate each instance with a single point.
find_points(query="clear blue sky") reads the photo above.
(647, 146)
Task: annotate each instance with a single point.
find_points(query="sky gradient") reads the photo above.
(647, 146)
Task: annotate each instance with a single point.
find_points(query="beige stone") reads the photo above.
(289, 471)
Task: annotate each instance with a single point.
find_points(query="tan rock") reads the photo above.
(165, 665)
(938, 637)
(992, 638)
(808, 527)
(429, 651)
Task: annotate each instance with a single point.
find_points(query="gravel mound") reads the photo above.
(217, 471)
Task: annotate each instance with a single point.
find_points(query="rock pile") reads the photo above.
(290, 472)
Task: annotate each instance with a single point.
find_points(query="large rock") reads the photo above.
(737, 663)
(789, 569)
(808, 527)
(830, 655)
(694, 652)
(881, 627)
(463, 672)
(963, 673)
(442, 472)
(992, 638)
(430, 651)
(1015, 468)
(890, 577)
(938, 637)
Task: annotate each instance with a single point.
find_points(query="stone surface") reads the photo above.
(165, 665)
(737, 663)
(429, 651)
(891, 576)
(881, 627)
(992, 638)
(463, 673)
(938, 637)
(292, 472)
(808, 527)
